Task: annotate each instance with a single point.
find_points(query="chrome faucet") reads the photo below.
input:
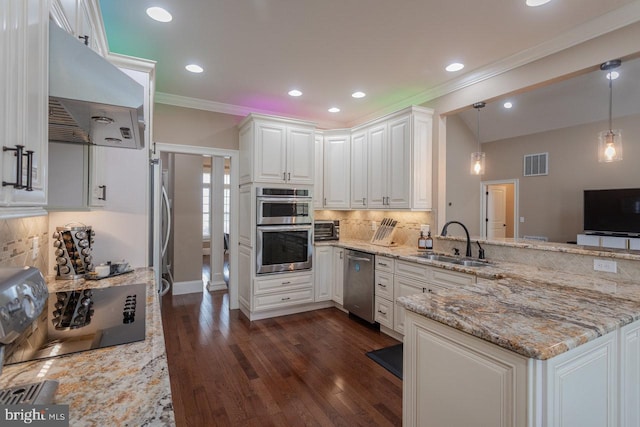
(444, 233)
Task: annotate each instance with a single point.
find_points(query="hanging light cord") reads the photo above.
(478, 128)
(610, 103)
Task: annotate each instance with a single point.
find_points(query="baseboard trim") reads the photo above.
(190, 287)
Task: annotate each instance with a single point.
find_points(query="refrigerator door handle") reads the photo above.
(165, 199)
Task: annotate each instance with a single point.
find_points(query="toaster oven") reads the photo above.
(326, 230)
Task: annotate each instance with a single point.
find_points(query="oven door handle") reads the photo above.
(305, 227)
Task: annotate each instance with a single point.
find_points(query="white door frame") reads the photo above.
(483, 204)
(234, 155)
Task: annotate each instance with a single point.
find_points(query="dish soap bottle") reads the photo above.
(429, 242)
(422, 242)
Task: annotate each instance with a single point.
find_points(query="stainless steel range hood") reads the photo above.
(90, 100)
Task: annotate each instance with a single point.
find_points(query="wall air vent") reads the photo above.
(536, 164)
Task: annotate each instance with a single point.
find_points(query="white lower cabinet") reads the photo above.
(454, 379)
(384, 291)
(630, 379)
(322, 272)
(414, 278)
(282, 290)
(338, 275)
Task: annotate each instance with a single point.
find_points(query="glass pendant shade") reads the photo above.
(610, 141)
(610, 146)
(477, 163)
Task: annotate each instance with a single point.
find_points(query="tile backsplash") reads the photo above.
(16, 242)
(357, 224)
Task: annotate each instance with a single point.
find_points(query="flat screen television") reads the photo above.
(615, 212)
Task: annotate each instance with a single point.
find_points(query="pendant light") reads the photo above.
(477, 158)
(610, 141)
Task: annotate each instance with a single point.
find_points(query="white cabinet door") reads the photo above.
(270, 152)
(68, 175)
(336, 171)
(245, 218)
(377, 166)
(630, 375)
(97, 176)
(318, 185)
(583, 385)
(399, 161)
(300, 154)
(455, 380)
(24, 84)
(403, 287)
(338, 274)
(245, 261)
(323, 273)
(359, 170)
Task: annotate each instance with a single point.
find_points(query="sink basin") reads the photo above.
(453, 260)
(470, 263)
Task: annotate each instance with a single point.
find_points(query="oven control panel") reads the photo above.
(23, 296)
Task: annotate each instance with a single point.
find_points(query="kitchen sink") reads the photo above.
(453, 260)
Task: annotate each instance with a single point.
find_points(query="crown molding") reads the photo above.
(235, 110)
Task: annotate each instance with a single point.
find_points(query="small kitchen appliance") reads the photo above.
(326, 230)
(23, 296)
(73, 246)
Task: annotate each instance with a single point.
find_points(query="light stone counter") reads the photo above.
(533, 311)
(124, 385)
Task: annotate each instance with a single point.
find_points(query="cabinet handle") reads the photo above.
(18, 184)
(364, 201)
(284, 176)
(286, 283)
(289, 176)
(104, 192)
(383, 264)
(285, 298)
(341, 254)
(325, 201)
(29, 155)
(381, 285)
(85, 38)
(382, 312)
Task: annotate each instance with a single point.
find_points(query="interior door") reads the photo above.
(496, 211)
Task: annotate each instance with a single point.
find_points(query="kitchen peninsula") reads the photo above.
(523, 344)
(126, 384)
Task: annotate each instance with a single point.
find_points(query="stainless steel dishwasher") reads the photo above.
(359, 284)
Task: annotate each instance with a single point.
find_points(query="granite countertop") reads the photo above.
(532, 319)
(536, 312)
(122, 385)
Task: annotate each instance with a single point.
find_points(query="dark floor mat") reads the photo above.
(389, 358)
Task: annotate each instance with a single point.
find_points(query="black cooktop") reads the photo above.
(82, 320)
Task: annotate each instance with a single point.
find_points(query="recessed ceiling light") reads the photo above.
(456, 66)
(295, 92)
(507, 104)
(535, 3)
(613, 75)
(194, 68)
(358, 94)
(334, 110)
(159, 14)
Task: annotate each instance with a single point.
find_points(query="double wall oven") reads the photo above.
(284, 240)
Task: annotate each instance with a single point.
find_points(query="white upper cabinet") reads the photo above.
(24, 84)
(318, 185)
(336, 169)
(359, 177)
(399, 161)
(275, 150)
(77, 18)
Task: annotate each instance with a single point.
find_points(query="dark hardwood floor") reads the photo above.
(302, 369)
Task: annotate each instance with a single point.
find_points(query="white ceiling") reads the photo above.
(255, 51)
(575, 101)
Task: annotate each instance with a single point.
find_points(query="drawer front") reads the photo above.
(404, 287)
(281, 283)
(271, 301)
(384, 285)
(384, 263)
(452, 278)
(414, 270)
(384, 312)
